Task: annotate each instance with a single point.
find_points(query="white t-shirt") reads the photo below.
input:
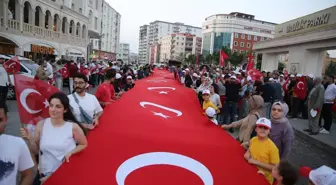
(89, 103)
(215, 99)
(14, 157)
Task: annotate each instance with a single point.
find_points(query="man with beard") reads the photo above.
(86, 107)
(105, 91)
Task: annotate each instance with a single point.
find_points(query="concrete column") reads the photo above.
(41, 19)
(59, 25)
(20, 16)
(5, 12)
(297, 60)
(19, 51)
(50, 22)
(32, 17)
(212, 39)
(269, 62)
(313, 63)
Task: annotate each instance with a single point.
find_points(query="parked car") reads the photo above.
(25, 69)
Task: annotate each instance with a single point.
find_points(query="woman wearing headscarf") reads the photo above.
(247, 125)
(204, 86)
(282, 133)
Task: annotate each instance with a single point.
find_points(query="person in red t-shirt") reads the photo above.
(105, 91)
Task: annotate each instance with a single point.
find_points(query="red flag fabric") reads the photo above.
(250, 63)
(12, 65)
(285, 85)
(158, 136)
(300, 88)
(222, 57)
(197, 59)
(64, 72)
(254, 74)
(32, 98)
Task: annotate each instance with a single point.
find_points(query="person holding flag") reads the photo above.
(4, 81)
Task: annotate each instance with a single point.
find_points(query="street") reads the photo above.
(303, 153)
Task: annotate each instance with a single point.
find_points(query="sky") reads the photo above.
(135, 13)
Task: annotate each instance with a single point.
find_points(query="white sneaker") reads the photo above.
(324, 131)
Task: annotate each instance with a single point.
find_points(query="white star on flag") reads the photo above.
(160, 114)
(46, 103)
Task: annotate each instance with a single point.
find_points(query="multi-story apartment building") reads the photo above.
(133, 58)
(55, 28)
(124, 52)
(152, 33)
(238, 31)
(35, 29)
(178, 46)
(107, 46)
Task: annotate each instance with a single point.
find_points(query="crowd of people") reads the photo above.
(71, 117)
(259, 108)
(229, 98)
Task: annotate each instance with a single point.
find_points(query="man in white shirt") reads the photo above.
(14, 156)
(87, 110)
(329, 100)
(4, 81)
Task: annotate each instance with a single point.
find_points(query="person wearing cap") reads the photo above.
(329, 101)
(105, 91)
(231, 101)
(282, 79)
(323, 175)
(211, 113)
(262, 152)
(315, 103)
(129, 83)
(207, 102)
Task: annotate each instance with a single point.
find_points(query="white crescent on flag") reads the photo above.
(23, 99)
(163, 158)
(299, 85)
(177, 112)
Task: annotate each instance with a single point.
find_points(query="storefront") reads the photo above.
(7, 47)
(35, 52)
(73, 54)
(102, 55)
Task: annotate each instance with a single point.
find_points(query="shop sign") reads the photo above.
(42, 49)
(308, 23)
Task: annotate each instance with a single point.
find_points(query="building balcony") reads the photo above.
(30, 30)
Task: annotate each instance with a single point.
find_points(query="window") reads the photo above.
(248, 45)
(249, 37)
(80, 10)
(236, 35)
(242, 44)
(242, 36)
(255, 38)
(235, 51)
(242, 51)
(72, 6)
(235, 43)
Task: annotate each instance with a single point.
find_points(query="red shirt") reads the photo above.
(105, 92)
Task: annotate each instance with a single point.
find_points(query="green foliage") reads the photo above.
(235, 58)
(331, 69)
(281, 66)
(259, 59)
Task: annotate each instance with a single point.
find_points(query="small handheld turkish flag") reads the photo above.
(12, 65)
(254, 74)
(300, 88)
(64, 72)
(250, 63)
(285, 85)
(222, 57)
(32, 98)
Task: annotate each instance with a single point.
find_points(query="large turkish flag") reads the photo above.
(156, 134)
(32, 99)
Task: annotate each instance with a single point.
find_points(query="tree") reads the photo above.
(331, 69)
(281, 66)
(259, 59)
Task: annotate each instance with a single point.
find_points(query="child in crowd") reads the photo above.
(207, 102)
(285, 173)
(211, 113)
(323, 175)
(262, 152)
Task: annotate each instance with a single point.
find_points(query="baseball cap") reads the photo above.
(195, 75)
(299, 75)
(118, 76)
(292, 75)
(129, 77)
(323, 175)
(264, 122)
(271, 79)
(234, 77)
(211, 112)
(248, 78)
(311, 76)
(206, 91)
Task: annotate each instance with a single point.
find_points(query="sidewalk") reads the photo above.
(322, 141)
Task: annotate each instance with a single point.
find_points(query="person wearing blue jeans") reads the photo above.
(232, 87)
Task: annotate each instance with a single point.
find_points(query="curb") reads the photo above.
(317, 143)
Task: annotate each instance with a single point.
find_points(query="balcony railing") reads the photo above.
(41, 33)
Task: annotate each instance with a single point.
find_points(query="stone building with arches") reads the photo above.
(58, 28)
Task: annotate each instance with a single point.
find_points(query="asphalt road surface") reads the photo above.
(303, 153)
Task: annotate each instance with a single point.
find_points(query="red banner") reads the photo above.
(12, 65)
(156, 134)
